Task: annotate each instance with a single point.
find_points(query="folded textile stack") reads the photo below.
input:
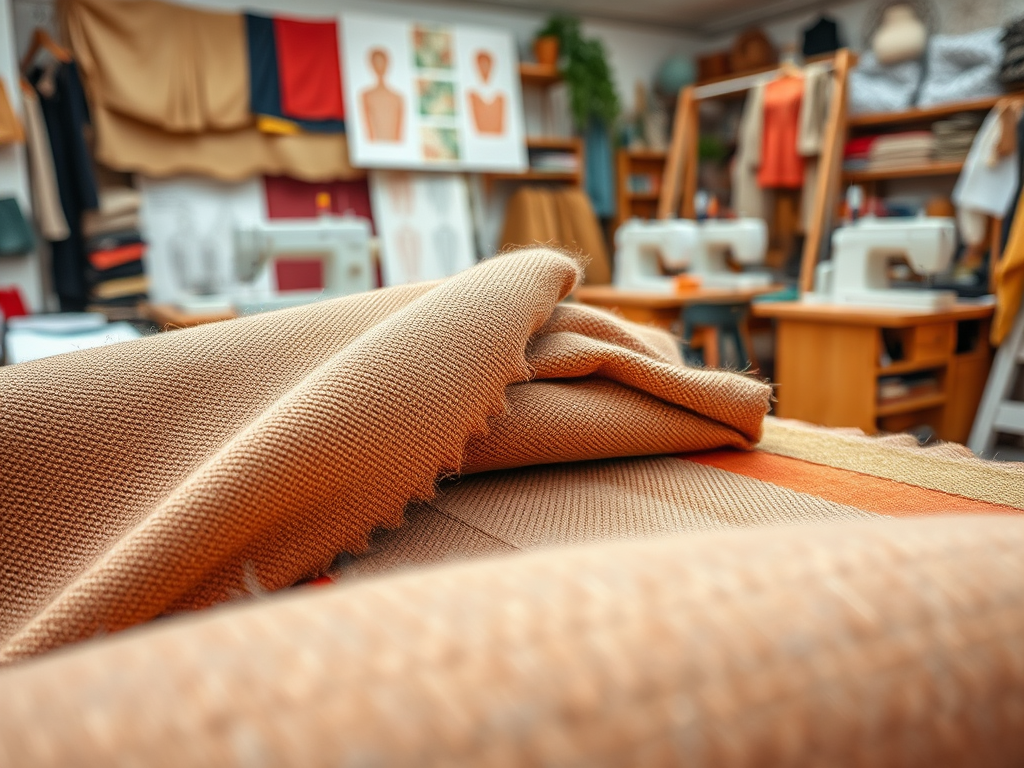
(857, 153)
(1011, 70)
(954, 136)
(117, 276)
(900, 150)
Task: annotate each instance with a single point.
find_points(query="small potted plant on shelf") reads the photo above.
(584, 68)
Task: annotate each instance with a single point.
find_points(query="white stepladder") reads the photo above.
(998, 411)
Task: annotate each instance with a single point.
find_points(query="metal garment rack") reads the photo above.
(679, 182)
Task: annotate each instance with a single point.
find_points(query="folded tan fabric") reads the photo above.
(856, 644)
(179, 470)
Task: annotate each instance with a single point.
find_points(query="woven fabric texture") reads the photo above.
(882, 643)
(177, 471)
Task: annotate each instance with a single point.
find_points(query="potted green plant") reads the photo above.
(585, 69)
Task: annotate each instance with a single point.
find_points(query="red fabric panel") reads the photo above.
(299, 274)
(309, 69)
(293, 199)
(11, 304)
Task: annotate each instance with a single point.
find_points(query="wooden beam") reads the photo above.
(829, 172)
(671, 179)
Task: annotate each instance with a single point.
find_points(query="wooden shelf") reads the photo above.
(568, 143)
(912, 366)
(922, 115)
(654, 155)
(909, 172)
(642, 196)
(534, 175)
(535, 74)
(910, 404)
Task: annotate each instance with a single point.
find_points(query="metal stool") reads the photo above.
(725, 321)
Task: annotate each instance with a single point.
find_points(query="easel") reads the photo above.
(679, 182)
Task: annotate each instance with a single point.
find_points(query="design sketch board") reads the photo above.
(424, 225)
(431, 97)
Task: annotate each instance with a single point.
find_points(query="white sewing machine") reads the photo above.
(307, 260)
(858, 273)
(702, 248)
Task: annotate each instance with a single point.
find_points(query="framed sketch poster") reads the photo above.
(430, 97)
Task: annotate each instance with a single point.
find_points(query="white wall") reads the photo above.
(22, 271)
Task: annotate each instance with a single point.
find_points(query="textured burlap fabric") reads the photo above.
(181, 470)
(886, 643)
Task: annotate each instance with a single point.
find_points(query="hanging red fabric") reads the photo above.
(309, 69)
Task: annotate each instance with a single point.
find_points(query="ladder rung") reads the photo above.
(1010, 418)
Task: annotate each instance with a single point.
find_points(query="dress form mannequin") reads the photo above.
(901, 36)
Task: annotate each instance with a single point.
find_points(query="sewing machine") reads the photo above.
(284, 264)
(307, 260)
(702, 248)
(862, 252)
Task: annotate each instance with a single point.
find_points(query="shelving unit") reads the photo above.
(638, 162)
(908, 172)
(536, 76)
(830, 361)
(921, 118)
(920, 115)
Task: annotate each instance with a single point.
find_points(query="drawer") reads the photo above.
(928, 342)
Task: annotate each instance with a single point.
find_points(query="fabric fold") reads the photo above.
(177, 471)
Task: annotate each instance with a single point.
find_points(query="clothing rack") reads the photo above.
(679, 182)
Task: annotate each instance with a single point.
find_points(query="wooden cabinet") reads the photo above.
(639, 173)
(832, 362)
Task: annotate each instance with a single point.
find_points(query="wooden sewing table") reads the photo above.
(663, 310)
(829, 359)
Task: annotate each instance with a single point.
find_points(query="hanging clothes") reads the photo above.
(309, 67)
(748, 199)
(782, 167)
(1009, 281)
(822, 37)
(46, 205)
(811, 134)
(62, 102)
(265, 83)
(986, 184)
(11, 131)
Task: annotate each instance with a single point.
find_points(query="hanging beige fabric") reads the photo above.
(169, 93)
(11, 131)
(559, 217)
(179, 68)
(174, 472)
(125, 144)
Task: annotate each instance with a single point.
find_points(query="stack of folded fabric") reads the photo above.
(954, 136)
(117, 276)
(1011, 70)
(857, 153)
(901, 150)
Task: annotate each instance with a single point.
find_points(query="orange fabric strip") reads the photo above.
(872, 494)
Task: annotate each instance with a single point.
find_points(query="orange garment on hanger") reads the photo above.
(782, 167)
